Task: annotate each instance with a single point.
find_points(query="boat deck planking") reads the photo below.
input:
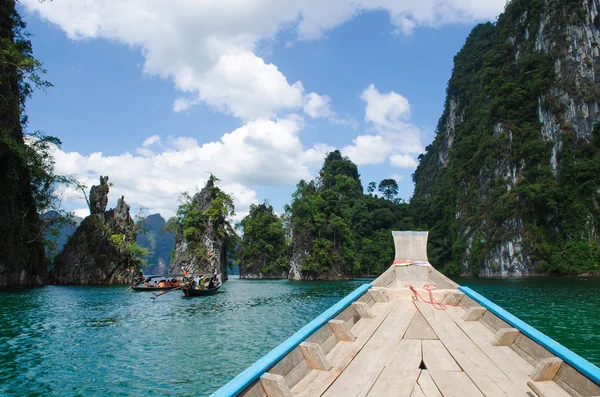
(461, 362)
(389, 342)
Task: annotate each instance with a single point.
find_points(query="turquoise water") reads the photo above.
(100, 341)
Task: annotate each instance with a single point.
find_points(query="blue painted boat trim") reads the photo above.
(579, 363)
(243, 380)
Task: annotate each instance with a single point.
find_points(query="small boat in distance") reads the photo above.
(191, 292)
(156, 283)
(202, 286)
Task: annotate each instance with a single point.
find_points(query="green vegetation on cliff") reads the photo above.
(203, 234)
(339, 232)
(512, 175)
(263, 248)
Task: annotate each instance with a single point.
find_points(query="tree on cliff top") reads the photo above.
(389, 188)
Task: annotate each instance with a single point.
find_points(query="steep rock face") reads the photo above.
(301, 250)
(22, 256)
(518, 130)
(159, 243)
(99, 196)
(95, 254)
(210, 252)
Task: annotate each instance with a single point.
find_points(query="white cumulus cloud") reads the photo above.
(393, 134)
(260, 153)
(316, 105)
(208, 48)
(403, 161)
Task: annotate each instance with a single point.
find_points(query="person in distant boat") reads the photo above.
(211, 283)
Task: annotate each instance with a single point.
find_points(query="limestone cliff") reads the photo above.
(97, 253)
(22, 256)
(509, 186)
(202, 230)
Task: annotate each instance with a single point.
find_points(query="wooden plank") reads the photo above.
(484, 373)
(546, 369)
(346, 314)
(407, 355)
(505, 337)
(379, 295)
(395, 383)
(437, 358)
(547, 389)
(361, 374)
(254, 390)
(536, 351)
(419, 329)
(386, 279)
(316, 382)
(576, 381)
(474, 313)
(455, 384)
(468, 302)
(511, 364)
(362, 309)
(341, 330)
(427, 385)
(417, 392)
(314, 355)
(566, 387)
(297, 374)
(287, 363)
(329, 343)
(320, 336)
(494, 321)
(274, 385)
(453, 298)
(440, 280)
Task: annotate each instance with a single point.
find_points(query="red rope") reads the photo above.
(432, 301)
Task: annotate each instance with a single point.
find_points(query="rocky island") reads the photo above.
(101, 249)
(202, 232)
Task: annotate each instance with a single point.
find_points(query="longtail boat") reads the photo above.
(141, 286)
(415, 333)
(191, 292)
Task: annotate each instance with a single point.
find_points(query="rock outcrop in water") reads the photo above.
(202, 232)
(510, 185)
(98, 252)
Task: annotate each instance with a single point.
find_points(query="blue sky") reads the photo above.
(256, 92)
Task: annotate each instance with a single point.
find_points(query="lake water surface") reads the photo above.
(101, 341)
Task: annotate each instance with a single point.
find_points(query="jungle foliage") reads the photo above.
(264, 246)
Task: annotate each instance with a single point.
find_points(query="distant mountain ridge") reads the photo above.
(62, 234)
(158, 241)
